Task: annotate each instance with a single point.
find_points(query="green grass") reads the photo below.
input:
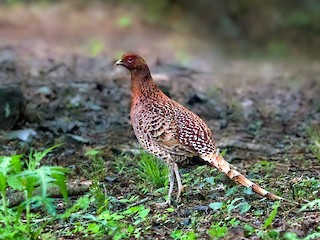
(313, 205)
(108, 224)
(97, 168)
(152, 170)
(218, 230)
(180, 235)
(103, 213)
(96, 171)
(307, 188)
(225, 213)
(263, 166)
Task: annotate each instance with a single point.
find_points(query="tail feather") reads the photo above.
(222, 165)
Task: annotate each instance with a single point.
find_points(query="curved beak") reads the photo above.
(119, 62)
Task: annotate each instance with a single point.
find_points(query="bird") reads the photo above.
(171, 132)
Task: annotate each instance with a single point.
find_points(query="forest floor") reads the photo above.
(258, 110)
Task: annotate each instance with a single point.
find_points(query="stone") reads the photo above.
(11, 106)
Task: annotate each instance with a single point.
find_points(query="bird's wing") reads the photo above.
(161, 127)
(193, 132)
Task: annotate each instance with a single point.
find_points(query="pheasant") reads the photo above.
(173, 133)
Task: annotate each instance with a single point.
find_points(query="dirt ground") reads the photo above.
(258, 109)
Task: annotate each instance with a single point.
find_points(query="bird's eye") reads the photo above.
(130, 60)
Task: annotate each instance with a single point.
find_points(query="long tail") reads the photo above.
(222, 165)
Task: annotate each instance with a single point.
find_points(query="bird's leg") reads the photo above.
(171, 184)
(180, 186)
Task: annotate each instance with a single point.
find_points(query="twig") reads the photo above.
(139, 202)
(74, 189)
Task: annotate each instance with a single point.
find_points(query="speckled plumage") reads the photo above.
(170, 131)
(165, 127)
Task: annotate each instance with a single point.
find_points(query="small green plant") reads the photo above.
(216, 206)
(96, 171)
(236, 204)
(200, 177)
(180, 235)
(307, 187)
(152, 170)
(108, 224)
(315, 204)
(218, 230)
(97, 167)
(315, 145)
(239, 204)
(268, 222)
(263, 166)
(80, 207)
(265, 232)
(120, 163)
(34, 183)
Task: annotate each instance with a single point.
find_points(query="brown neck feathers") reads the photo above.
(142, 84)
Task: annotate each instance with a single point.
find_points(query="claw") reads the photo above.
(163, 204)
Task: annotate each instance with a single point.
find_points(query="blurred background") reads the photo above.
(193, 33)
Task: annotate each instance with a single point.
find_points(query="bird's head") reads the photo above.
(132, 62)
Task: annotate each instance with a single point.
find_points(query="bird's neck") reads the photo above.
(142, 85)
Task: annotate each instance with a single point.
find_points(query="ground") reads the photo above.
(258, 110)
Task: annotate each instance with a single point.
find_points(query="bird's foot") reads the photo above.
(163, 204)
